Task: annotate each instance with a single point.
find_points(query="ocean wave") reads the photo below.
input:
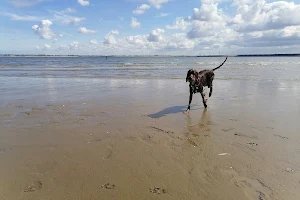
(145, 76)
(83, 67)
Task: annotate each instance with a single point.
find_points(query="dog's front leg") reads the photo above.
(210, 85)
(190, 98)
(210, 91)
(203, 98)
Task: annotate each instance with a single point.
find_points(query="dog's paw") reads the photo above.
(186, 112)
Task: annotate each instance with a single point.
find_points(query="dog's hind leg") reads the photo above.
(210, 91)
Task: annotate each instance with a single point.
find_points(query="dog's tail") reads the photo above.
(220, 65)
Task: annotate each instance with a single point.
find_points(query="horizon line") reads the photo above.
(155, 55)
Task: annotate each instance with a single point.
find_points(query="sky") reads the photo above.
(149, 27)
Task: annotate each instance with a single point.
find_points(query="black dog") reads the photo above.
(198, 80)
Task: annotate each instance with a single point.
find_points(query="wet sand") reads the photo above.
(129, 139)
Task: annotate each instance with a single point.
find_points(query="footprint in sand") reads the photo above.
(2, 150)
(160, 130)
(147, 138)
(191, 142)
(157, 190)
(107, 153)
(108, 186)
(282, 137)
(195, 135)
(37, 109)
(205, 135)
(290, 170)
(227, 129)
(80, 121)
(26, 113)
(94, 141)
(210, 122)
(252, 143)
(252, 188)
(247, 136)
(36, 185)
(133, 138)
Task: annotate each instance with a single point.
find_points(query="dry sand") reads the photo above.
(129, 139)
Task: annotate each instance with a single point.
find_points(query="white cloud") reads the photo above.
(208, 13)
(75, 21)
(67, 19)
(204, 29)
(138, 40)
(46, 46)
(179, 41)
(61, 35)
(180, 23)
(144, 7)
(37, 47)
(140, 44)
(84, 2)
(164, 14)
(207, 21)
(62, 47)
(157, 3)
(69, 10)
(114, 32)
(16, 17)
(141, 9)
(260, 15)
(54, 40)
(137, 44)
(73, 45)
(289, 31)
(64, 18)
(155, 35)
(269, 38)
(93, 42)
(86, 31)
(25, 3)
(242, 25)
(43, 30)
(134, 23)
(110, 37)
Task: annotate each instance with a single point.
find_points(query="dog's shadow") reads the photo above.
(170, 110)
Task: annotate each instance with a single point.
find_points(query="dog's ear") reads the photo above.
(188, 74)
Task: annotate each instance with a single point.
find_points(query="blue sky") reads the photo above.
(171, 27)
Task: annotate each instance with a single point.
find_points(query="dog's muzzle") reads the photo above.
(190, 79)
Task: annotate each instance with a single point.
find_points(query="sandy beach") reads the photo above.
(129, 139)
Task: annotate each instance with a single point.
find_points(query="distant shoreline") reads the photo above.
(239, 55)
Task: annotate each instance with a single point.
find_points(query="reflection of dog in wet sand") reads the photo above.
(198, 80)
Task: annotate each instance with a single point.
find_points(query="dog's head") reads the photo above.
(191, 76)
